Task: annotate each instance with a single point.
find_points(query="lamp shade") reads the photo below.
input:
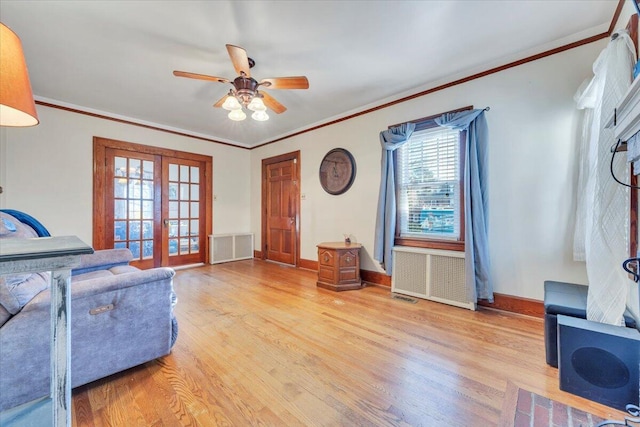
(237, 115)
(17, 107)
(260, 116)
(256, 104)
(231, 103)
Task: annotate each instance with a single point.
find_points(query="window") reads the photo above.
(429, 188)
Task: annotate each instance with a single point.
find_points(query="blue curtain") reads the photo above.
(390, 140)
(477, 263)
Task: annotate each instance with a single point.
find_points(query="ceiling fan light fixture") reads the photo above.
(237, 115)
(260, 116)
(231, 103)
(257, 104)
(245, 93)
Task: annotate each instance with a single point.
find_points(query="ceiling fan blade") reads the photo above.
(200, 76)
(239, 59)
(272, 104)
(295, 82)
(220, 102)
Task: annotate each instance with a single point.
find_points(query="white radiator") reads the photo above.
(230, 247)
(431, 274)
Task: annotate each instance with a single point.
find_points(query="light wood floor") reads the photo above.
(259, 344)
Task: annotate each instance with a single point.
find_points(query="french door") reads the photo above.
(182, 212)
(133, 205)
(154, 202)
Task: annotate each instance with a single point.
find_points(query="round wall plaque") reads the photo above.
(337, 171)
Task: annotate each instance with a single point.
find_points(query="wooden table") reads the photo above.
(58, 255)
(339, 266)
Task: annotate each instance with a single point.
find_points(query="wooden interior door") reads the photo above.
(280, 237)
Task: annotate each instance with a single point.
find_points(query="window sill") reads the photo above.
(448, 245)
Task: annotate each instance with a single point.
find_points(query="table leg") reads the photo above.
(61, 347)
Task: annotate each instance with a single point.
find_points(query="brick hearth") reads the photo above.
(533, 410)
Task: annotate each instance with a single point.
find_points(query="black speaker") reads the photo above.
(599, 362)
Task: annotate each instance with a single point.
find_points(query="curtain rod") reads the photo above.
(470, 107)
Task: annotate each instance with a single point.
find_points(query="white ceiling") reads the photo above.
(117, 57)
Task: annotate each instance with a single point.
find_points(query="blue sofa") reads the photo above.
(121, 317)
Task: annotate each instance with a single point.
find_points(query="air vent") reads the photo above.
(431, 274)
(230, 247)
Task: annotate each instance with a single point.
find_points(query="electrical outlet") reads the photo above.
(215, 197)
(303, 196)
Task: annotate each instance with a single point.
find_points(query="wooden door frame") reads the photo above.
(99, 172)
(295, 156)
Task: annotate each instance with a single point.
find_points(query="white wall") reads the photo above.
(47, 170)
(625, 14)
(532, 164)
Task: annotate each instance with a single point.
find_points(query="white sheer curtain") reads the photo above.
(602, 226)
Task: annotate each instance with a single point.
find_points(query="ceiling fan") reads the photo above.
(245, 91)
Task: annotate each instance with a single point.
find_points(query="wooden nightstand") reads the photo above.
(339, 266)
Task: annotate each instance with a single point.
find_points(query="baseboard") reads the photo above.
(520, 305)
(514, 304)
(375, 278)
(308, 264)
(257, 254)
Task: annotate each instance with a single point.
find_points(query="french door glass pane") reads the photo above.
(173, 172)
(147, 230)
(147, 249)
(173, 209)
(147, 169)
(184, 194)
(120, 209)
(133, 192)
(120, 165)
(147, 209)
(120, 187)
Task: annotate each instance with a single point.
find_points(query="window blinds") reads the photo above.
(428, 184)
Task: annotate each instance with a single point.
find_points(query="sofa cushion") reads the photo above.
(17, 290)
(24, 218)
(4, 315)
(22, 231)
(103, 260)
(90, 275)
(113, 271)
(123, 269)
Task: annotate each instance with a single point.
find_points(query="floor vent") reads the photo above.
(404, 298)
(431, 274)
(230, 247)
